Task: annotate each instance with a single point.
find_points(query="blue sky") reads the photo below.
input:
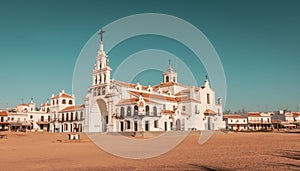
(257, 42)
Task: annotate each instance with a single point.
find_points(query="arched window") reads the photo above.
(48, 110)
(70, 102)
(136, 110)
(167, 78)
(53, 102)
(122, 112)
(147, 110)
(57, 101)
(208, 98)
(155, 111)
(67, 117)
(128, 111)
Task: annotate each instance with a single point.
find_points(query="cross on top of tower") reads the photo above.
(101, 32)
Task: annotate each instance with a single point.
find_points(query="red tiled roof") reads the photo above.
(23, 104)
(295, 114)
(254, 114)
(153, 96)
(168, 112)
(62, 95)
(72, 108)
(234, 116)
(169, 84)
(209, 112)
(3, 113)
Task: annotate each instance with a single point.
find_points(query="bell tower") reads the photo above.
(101, 72)
(170, 75)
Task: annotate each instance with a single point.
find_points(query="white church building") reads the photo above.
(115, 106)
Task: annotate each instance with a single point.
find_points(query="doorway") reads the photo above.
(146, 125)
(135, 126)
(122, 126)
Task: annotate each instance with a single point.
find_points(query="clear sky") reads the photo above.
(257, 42)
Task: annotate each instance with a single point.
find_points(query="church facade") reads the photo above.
(116, 106)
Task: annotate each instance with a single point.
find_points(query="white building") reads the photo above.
(236, 122)
(3, 121)
(116, 106)
(65, 115)
(259, 121)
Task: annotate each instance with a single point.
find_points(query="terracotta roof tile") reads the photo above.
(254, 114)
(64, 95)
(72, 108)
(233, 116)
(209, 112)
(3, 113)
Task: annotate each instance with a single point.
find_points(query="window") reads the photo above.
(57, 101)
(128, 124)
(183, 108)
(231, 120)
(42, 118)
(99, 91)
(128, 111)
(70, 102)
(174, 79)
(147, 110)
(103, 90)
(67, 117)
(48, 110)
(208, 98)
(53, 102)
(136, 110)
(196, 108)
(63, 117)
(237, 120)
(156, 124)
(155, 111)
(31, 116)
(171, 125)
(2, 119)
(122, 112)
(167, 78)
(71, 116)
(48, 118)
(164, 106)
(64, 101)
(261, 119)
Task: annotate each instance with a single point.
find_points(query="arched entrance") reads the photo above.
(98, 116)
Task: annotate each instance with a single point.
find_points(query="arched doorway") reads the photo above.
(98, 116)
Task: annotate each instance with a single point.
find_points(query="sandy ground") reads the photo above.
(232, 151)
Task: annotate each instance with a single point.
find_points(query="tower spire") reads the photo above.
(101, 32)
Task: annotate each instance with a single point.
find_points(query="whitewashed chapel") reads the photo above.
(115, 106)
